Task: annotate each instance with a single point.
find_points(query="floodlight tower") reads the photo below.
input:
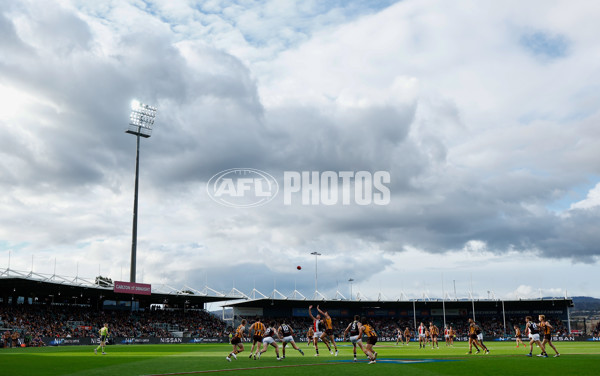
(316, 254)
(141, 121)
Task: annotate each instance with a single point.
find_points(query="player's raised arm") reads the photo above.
(324, 314)
(347, 330)
(310, 313)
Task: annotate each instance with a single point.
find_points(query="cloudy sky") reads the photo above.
(484, 114)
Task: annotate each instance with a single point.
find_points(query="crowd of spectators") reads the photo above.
(596, 331)
(27, 324)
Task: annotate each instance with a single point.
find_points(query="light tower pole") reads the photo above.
(317, 293)
(141, 121)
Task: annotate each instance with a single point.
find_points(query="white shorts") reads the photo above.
(268, 340)
(318, 334)
(355, 339)
(446, 336)
(288, 339)
(535, 337)
(421, 335)
(480, 336)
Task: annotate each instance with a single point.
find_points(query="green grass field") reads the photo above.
(577, 358)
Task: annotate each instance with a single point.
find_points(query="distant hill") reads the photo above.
(219, 313)
(586, 303)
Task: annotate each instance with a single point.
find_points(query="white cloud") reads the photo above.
(592, 199)
(478, 134)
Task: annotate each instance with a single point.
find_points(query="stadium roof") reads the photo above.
(383, 304)
(77, 290)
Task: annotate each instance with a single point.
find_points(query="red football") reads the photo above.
(298, 267)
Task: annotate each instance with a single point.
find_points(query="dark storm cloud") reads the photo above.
(210, 118)
(83, 136)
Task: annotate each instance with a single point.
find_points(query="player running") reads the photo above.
(480, 339)
(547, 330)
(236, 341)
(103, 337)
(534, 337)
(518, 336)
(355, 329)
(259, 329)
(328, 330)
(398, 336)
(269, 339)
(407, 335)
(371, 340)
(286, 334)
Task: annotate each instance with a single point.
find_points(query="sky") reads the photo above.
(482, 114)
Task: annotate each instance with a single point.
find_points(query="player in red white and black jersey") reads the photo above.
(447, 335)
(319, 328)
(286, 334)
(269, 339)
(421, 332)
(236, 341)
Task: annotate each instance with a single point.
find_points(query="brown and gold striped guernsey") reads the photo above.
(369, 331)
(259, 329)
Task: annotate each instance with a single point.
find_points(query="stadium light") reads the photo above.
(316, 254)
(350, 280)
(141, 122)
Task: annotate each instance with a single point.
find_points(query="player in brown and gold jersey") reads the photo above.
(259, 330)
(452, 334)
(406, 336)
(309, 336)
(547, 331)
(318, 327)
(236, 341)
(369, 331)
(518, 336)
(434, 335)
(328, 329)
(473, 329)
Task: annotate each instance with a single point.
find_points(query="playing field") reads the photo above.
(577, 358)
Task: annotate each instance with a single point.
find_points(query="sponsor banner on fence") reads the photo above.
(132, 288)
(172, 340)
(130, 341)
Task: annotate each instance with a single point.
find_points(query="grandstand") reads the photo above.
(30, 288)
(42, 308)
(496, 316)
